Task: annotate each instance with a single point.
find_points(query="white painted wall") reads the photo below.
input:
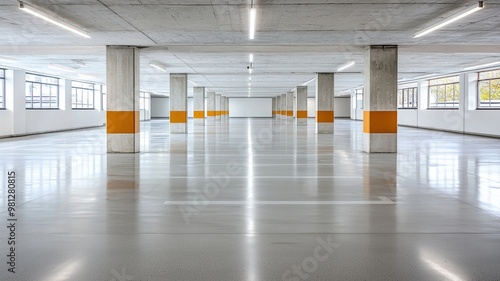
(16, 120)
(160, 107)
(341, 106)
(250, 107)
(466, 119)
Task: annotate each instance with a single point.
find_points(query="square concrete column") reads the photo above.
(289, 106)
(123, 111)
(278, 107)
(380, 116)
(210, 106)
(301, 117)
(223, 107)
(273, 107)
(178, 103)
(199, 106)
(324, 103)
(217, 106)
(283, 106)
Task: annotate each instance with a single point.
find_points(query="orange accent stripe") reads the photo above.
(178, 116)
(325, 116)
(210, 113)
(380, 122)
(123, 122)
(217, 113)
(289, 113)
(301, 113)
(199, 114)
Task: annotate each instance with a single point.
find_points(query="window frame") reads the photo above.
(75, 90)
(455, 101)
(406, 91)
(478, 96)
(42, 85)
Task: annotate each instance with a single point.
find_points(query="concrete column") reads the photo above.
(223, 107)
(274, 107)
(217, 106)
(210, 106)
(278, 107)
(283, 106)
(289, 106)
(178, 103)
(380, 116)
(199, 106)
(324, 103)
(123, 112)
(15, 100)
(301, 117)
(227, 107)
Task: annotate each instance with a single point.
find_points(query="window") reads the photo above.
(489, 88)
(42, 92)
(359, 98)
(2, 88)
(444, 92)
(103, 97)
(82, 95)
(407, 97)
(144, 101)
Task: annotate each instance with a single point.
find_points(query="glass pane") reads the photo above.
(489, 74)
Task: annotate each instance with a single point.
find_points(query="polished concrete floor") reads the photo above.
(253, 199)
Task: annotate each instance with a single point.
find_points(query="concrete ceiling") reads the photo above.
(208, 39)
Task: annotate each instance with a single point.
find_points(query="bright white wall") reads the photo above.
(160, 107)
(250, 107)
(466, 119)
(341, 106)
(16, 120)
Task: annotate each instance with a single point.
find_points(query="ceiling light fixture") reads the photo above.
(253, 15)
(250, 78)
(7, 60)
(309, 81)
(158, 66)
(345, 66)
(87, 76)
(61, 67)
(466, 12)
(482, 65)
(43, 15)
(250, 57)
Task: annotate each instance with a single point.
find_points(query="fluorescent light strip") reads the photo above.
(482, 65)
(345, 66)
(305, 83)
(253, 14)
(7, 60)
(37, 13)
(250, 57)
(61, 67)
(479, 6)
(158, 66)
(87, 76)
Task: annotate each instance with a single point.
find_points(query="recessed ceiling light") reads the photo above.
(7, 60)
(445, 22)
(309, 81)
(158, 66)
(28, 8)
(61, 67)
(346, 65)
(253, 15)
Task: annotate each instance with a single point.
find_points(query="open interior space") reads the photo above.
(255, 199)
